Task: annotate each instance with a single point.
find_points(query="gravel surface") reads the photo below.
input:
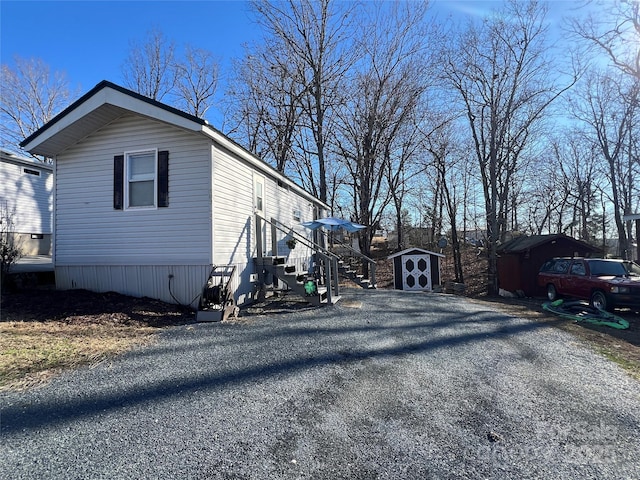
(386, 385)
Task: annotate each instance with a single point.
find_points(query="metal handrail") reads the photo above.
(278, 225)
(329, 258)
(370, 261)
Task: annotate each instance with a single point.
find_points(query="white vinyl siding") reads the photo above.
(233, 219)
(234, 238)
(284, 202)
(90, 232)
(138, 280)
(30, 196)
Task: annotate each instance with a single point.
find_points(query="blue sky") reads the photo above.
(89, 40)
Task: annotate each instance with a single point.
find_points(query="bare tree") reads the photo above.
(265, 100)
(607, 104)
(400, 169)
(614, 28)
(196, 81)
(149, 69)
(30, 96)
(579, 179)
(377, 122)
(502, 73)
(446, 163)
(312, 36)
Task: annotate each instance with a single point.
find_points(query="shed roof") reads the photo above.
(410, 251)
(107, 101)
(524, 243)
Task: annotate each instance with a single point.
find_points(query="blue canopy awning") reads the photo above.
(333, 223)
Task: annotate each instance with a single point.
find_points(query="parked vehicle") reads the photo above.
(606, 283)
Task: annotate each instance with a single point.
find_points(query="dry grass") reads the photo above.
(31, 351)
(45, 331)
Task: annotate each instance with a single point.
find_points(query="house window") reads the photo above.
(258, 193)
(297, 215)
(141, 174)
(140, 181)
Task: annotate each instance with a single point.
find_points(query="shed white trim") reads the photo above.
(418, 250)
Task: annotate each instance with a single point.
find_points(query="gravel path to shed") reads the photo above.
(386, 384)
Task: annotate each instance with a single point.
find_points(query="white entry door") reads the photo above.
(416, 272)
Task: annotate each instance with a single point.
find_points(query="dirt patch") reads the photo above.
(78, 307)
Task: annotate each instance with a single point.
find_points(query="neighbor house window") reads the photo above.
(141, 174)
(297, 215)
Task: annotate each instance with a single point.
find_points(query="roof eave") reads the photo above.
(72, 120)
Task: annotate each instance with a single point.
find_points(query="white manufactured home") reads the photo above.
(26, 202)
(149, 198)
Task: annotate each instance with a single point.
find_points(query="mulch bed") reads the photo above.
(79, 307)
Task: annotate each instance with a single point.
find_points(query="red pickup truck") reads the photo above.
(606, 283)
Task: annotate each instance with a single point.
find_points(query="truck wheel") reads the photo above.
(599, 300)
(552, 293)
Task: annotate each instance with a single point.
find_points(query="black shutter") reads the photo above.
(118, 181)
(163, 179)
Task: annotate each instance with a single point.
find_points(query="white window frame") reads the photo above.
(128, 180)
(259, 180)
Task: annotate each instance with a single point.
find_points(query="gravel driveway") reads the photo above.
(386, 384)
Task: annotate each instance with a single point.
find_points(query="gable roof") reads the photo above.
(524, 243)
(99, 106)
(417, 252)
(107, 101)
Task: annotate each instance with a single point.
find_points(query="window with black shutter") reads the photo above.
(141, 180)
(118, 182)
(163, 179)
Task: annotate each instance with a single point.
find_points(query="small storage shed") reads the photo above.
(520, 259)
(416, 269)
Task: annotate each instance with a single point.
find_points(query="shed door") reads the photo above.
(416, 272)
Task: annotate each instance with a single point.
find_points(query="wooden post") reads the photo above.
(259, 251)
(638, 240)
(274, 238)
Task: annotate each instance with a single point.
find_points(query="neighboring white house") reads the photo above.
(26, 198)
(148, 198)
